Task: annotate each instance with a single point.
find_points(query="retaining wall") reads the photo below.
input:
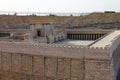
(30, 61)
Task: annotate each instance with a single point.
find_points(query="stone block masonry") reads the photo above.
(97, 70)
(34, 61)
(77, 69)
(38, 66)
(26, 61)
(32, 67)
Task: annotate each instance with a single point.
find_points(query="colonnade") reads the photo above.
(4, 34)
(84, 36)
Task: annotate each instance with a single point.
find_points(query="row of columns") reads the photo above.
(84, 36)
(5, 34)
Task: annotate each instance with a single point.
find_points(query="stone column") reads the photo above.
(84, 36)
(79, 36)
(70, 36)
(73, 36)
(97, 36)
(100, 35)
(87, 36)
(90, 36)
(93, 38)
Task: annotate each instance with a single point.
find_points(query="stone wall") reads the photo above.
(114, 56)
(34, 67)
(97, 70)
(115, 64)
(26, 61)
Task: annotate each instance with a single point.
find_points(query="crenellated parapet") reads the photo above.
(58, 50)
(97, 53)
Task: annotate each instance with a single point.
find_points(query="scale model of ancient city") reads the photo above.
(60, 46)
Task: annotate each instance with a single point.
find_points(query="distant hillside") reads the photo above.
(92, 19)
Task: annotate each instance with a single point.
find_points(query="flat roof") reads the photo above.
(75, 42)
(108, 40)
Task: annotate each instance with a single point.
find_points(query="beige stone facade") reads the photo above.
(41, 58)
(40, 67)
(37, 61)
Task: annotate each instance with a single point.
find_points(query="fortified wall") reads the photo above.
(40, 61)
(30, 61)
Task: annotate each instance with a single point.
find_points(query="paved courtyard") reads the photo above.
(75, 42)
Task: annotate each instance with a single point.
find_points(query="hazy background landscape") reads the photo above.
(59, 5)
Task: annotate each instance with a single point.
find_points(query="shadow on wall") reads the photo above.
(118, 75)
